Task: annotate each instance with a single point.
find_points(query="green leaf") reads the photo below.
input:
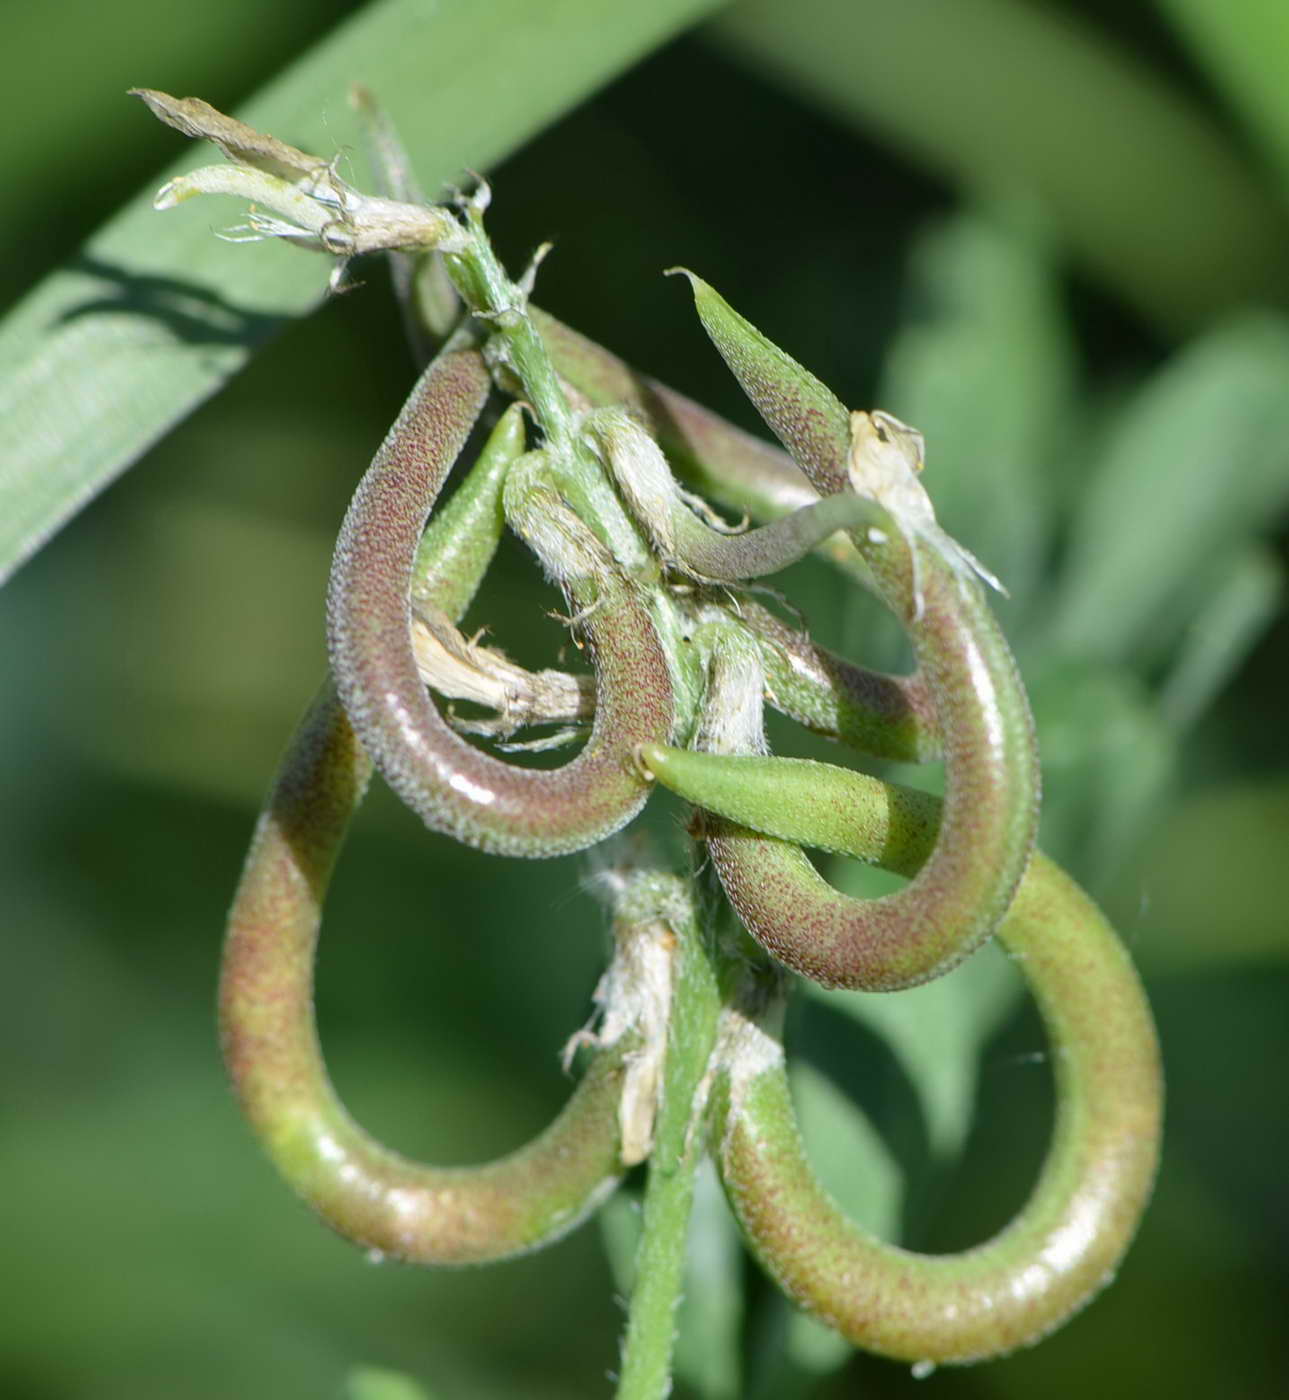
(1122, 159)
(372, 1383)
(937, 1032)
(1242, 597)
(1198, 460)
(1212, 886)
(1108, 758)
(104, 356)
(1242, 45)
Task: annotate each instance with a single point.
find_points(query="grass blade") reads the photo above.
(1121, 158)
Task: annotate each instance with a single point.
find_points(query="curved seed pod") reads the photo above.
(367, 1193)
(713, 456)
(981, 710)
(459, 542)
(1068, 1239)
(882, 715)
(958, 897)
(454, 787)
(720, 459)
(877, 945)
(642, 473)
(986, 836)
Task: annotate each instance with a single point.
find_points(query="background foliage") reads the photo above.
(1049, 234)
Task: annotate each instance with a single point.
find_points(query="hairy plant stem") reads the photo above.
(679, 1147)
(515, 347)
(489, 293)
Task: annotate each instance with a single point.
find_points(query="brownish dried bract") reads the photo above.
(242, 144)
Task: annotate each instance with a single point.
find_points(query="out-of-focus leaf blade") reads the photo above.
(1198, 460)
(1212, 886)
(847, 1151)
(373, 1383)
(107, 354)
(1242, 44)
(985, 368)
(1006, 95)
(1243, 597)
(1108, 758)
(619, 1224)
(936, 1032)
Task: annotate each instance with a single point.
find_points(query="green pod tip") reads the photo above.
(804, 414)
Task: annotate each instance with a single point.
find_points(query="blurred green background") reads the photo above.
(1054, 237)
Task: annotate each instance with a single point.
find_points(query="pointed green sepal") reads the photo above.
(805, 415)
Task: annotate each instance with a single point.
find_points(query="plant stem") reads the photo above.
(489, 292)
(679, 1146)
(516, 342)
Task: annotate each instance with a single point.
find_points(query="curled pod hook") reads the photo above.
(954, 901)
(885, 716)
(686, 541)
(455, 788)
(713, 455)
(980, 708)
(962, 892)
(368, 1193)
(1067, 1240)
